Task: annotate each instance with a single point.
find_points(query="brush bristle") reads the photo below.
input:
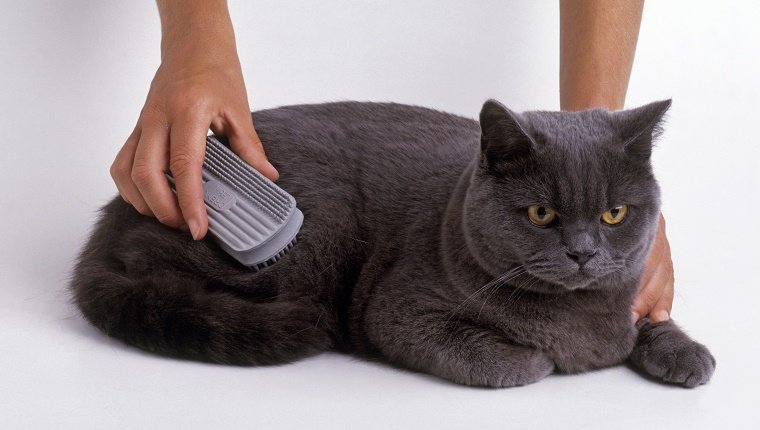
(276, 257)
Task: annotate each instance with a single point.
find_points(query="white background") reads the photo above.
(73, 77)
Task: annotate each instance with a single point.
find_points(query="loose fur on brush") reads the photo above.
(417, 248)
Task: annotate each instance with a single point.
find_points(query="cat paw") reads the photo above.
(516, 366)
(536, 367)
(662, 350)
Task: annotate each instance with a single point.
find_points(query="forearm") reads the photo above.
(186, 24)
(598, 43)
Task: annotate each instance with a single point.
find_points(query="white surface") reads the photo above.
(74, 76)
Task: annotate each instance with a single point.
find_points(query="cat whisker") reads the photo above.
(353, 238)
(514, 296)
(485, 300)
(491, 284)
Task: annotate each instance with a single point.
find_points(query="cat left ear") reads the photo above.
(640, 127)
(503, 139)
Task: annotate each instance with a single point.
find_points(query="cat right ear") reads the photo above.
(503, 140)
(640, 127)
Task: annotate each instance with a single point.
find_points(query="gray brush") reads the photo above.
(251, 218)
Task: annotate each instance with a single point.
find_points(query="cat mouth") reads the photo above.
(568, 281)
(578, 280)
(585, 278)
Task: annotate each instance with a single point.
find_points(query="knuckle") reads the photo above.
(191, 101)
(142, 208)
(189, 204)
(152, 114)
(115, 171)
(140, 174)
(166, 217)
(119, 168)
(250, 149)
(257, 145)
(185, 203)
(182, 162)
(249, 154)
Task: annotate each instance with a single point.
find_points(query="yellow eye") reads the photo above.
(541, 215)
(615, 215)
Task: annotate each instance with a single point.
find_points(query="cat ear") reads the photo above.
(639, 128)
(503, 139)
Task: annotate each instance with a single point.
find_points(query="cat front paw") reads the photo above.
(664, 351)
(536, 367)
(510, 366)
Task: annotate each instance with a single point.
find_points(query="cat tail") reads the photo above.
(174, 314)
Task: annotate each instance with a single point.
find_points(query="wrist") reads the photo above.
(591, 99)
(198, 26)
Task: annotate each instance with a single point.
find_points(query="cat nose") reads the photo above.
(581, 257)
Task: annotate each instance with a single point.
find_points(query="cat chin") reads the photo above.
(573, 282)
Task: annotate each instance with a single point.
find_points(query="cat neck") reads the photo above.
(461, 266)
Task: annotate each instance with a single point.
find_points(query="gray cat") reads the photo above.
(489, 254)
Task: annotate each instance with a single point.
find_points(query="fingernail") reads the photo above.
(635, 317)
(661, 315)
(195, 229)
(274, 171)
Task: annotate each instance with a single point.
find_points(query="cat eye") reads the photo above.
(541, 215)
(615, 215)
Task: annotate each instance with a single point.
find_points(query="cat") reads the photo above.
(489, 254)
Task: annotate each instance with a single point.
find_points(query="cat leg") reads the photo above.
(664, 351)
(455, 349)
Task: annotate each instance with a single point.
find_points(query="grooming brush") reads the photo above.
(251, 218)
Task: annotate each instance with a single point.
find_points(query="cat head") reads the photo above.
(570, 196)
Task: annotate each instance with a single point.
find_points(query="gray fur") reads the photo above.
(416, 247)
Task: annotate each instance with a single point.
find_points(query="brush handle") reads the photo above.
(253, 219)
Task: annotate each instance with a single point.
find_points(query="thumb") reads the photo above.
(245, 142)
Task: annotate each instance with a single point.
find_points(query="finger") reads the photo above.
(187, 149)
(661, 310)
(653, 283)
(122, 163)
(245, 142)
(121, 171)
(651, 293)
(657, 253)
(151, 161)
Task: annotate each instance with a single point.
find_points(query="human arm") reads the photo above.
(597, 47)
(198, 85)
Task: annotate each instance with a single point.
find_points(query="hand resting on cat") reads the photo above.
(489, 254)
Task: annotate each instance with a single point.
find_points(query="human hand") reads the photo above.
(655, 297)
(199, 85)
